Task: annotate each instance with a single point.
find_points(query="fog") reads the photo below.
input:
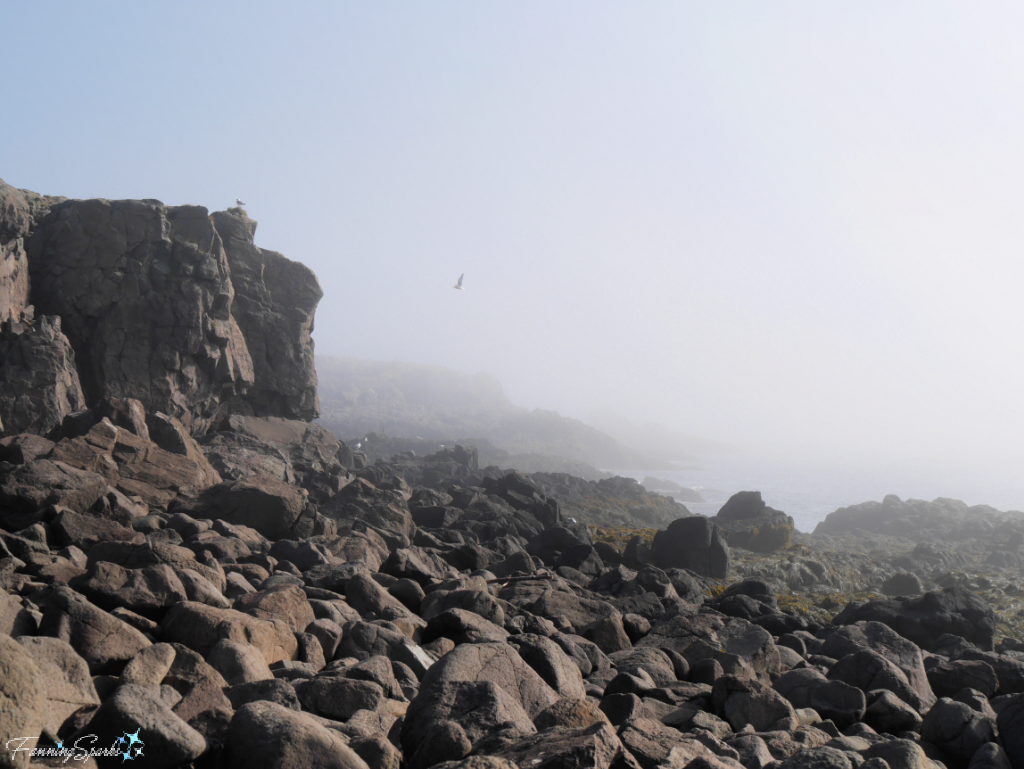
(794, 227)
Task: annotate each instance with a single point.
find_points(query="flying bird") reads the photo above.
(239, 202)
(459, 284)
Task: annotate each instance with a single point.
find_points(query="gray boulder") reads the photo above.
(265, 735)
(693, 543)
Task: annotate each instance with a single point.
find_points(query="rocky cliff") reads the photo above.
(134, 299)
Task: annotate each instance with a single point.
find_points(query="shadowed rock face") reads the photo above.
(275, 299)
(145, 295)
(38, 380)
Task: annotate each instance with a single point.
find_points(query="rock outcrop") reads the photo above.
(38, 378)
(275, 299)
(749, 523)
(145, 294)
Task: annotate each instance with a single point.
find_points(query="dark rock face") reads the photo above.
(105, 265)
(693, 543)
(923, 620)
(38, 380)
(275, 299)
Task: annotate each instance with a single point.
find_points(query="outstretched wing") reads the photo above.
(459, 284)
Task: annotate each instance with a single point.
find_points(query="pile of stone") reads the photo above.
(248, 600)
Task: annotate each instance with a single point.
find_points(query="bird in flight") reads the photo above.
(239, 202)
(459, 284)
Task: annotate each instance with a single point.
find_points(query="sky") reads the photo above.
(790, 226)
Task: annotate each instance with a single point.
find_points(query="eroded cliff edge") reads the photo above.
(134, 299)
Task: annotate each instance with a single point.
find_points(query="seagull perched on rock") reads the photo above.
(459, 284)
(239, 202)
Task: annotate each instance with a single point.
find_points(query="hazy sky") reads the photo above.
(793, 225)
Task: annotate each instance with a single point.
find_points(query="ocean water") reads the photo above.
(811, 493)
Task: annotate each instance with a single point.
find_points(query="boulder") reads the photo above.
(499, 664)
(102, 640)
(64, 676)
(297, 452)
(954, 610)
(23, 703)
(149, 591)
(266, 735)
(700, 633)
(594, 747)
(890, 644)
(43, 482)
(693, 543)
(164, 739)
(750, 524)
(200, 627)
(271, 507)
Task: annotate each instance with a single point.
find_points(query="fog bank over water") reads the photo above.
(792, 228)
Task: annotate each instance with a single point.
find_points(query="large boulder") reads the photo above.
(64, 675)
(22, 703)
(498, 663)
(296, 452)
(749, 523)
(101, 639)
(694, 543)
(135, 465)
(270, 506)
(924, 619)
(44, 482)
(39, 383)
(145, 294)
(265, 735)
(700, 633)
(166, 739)
(200, 627)
(275, 300)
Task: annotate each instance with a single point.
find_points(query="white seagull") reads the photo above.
(459, 284)
(239, 202)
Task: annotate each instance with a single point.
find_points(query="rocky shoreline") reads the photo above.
(195, 575)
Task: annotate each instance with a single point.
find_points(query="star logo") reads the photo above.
(135, 746)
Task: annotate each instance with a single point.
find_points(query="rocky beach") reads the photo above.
(195, 573)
